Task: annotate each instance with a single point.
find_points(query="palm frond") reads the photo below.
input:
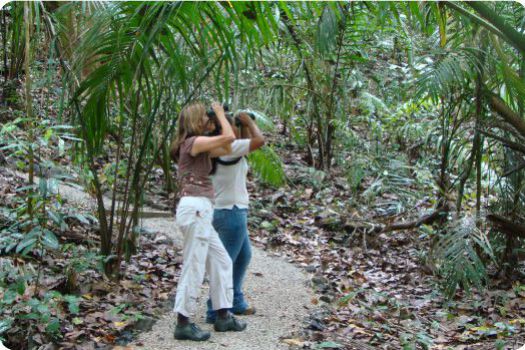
(267, 166)
(452, 70)
(460, 256)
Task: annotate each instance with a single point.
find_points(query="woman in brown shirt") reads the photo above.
(203, 250)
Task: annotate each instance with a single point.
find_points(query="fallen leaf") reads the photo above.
(293, 341)
(120, 325)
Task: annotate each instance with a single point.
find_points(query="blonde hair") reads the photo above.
(190, 124)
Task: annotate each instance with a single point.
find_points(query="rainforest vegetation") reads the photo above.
(393, 172)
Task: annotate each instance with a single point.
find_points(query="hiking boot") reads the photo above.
(245, 312)
(229, 324)
(211, 319)
(190, 331)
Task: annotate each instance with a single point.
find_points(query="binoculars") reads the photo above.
(211, 114)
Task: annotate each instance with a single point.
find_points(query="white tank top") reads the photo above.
(229, 181)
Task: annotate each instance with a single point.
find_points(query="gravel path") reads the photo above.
(278, 290)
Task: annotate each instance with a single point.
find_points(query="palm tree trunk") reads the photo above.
(165, 161)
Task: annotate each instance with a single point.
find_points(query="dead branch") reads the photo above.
(424, 220)
(398, 226)
(145, 214)
(507, 226)
(515, 169)
(511, 117)
(510, 144)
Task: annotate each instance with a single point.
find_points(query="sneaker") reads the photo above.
(190, 331)
(245, 312)
(229, 324)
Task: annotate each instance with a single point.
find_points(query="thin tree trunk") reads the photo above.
(125, 202)
(4, 42)
(117, 164)
(29, 109)
(310, 83)
(478, 178)
(466, 174)
(476, 144)
(331, 110)
(320, 143)
(442, 181)
(136, 188)
(166, 166)
(105, 235)
(17, 46)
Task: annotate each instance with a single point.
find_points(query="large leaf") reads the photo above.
(267, 165)
(26, 244)
(327, 30)
(50, 240)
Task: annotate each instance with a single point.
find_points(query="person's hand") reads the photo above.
(217, 108)
(244, 118)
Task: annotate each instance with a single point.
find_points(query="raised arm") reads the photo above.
(215, 144)
(250, 129)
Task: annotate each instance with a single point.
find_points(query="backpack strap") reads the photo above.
(228, 162)
(215, 161)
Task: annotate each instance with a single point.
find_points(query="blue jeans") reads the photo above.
(232, 226)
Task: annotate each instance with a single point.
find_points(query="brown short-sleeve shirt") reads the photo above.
(194, 172)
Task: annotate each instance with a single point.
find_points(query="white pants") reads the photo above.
(203, 251)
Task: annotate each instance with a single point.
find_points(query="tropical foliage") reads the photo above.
(413, 104)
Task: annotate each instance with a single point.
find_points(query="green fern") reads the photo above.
(267, 166)
(460, 257)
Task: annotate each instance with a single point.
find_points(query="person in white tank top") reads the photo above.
(230, 218)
